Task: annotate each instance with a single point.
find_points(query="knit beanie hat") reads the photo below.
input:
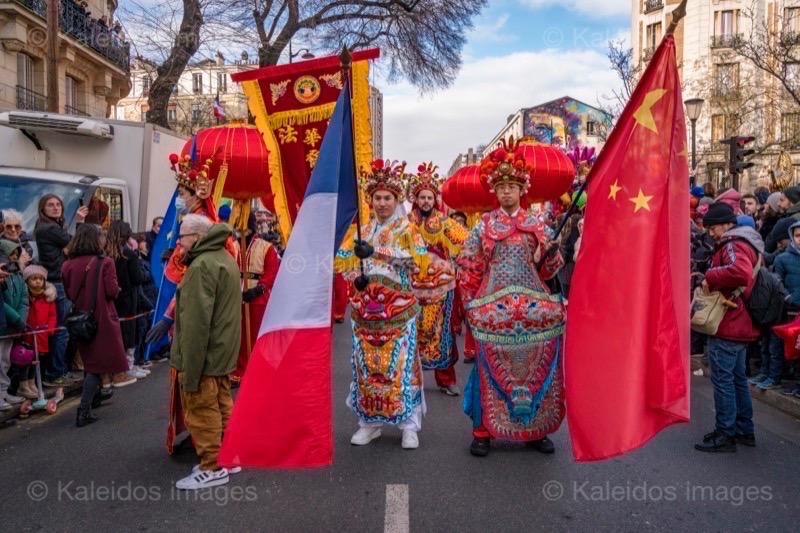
(772, 201)
(34, 270)
(697, 191)
(705, 200)
(746, 220)
(762, 197)
(793, 194)
(781, 230)
(719, 213)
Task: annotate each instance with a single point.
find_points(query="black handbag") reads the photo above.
(81, 325)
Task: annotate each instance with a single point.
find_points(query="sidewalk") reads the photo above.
(49, 392)
(788, 404)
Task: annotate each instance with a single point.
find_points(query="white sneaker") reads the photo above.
(234, 470)
(5, 406)
(144, 371)
(365, 436)
(13, 400)
(410, 440)
(203, 479)
(136, 374)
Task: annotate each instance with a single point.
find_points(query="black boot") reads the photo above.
(479, 447)
(747, 440)
(716, 442)
(85, 417)
(544, 445)
(100, 396)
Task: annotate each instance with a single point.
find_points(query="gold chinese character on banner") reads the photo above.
(312, 137)
(287, 134)
(311, 157)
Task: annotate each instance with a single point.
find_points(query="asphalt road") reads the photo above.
(116, 475)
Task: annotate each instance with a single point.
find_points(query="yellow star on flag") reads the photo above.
(685, 153)
(615, 188)
(641, 201)
(644, 115)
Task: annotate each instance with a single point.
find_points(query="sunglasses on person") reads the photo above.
(181, 237)
(17, 227)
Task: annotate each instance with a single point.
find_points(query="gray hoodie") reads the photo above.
(747, 233)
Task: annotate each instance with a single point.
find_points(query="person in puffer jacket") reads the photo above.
(736, 254)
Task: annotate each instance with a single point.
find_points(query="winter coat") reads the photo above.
(15, 303)
(148, 294)
(51, 239)
(735, 256)
(129, 277)
(42, 315)
(787, 267)
(208, 312)
(106, 353)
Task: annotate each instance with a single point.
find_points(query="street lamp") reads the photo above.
(693, 108)
(306, 55)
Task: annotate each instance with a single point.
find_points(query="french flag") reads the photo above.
(283, 414)
(219, 109)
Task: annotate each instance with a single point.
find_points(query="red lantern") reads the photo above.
(241, 148)
(553, 172)
(464, 191)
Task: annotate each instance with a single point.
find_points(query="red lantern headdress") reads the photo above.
(384, 176)
(426, 179)
(193, 176)
(506, 165)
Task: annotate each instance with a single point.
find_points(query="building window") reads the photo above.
(195, 113)
(727, 23)
(792, 20)
(197, 83)
(146, 82)
(25, 72)
(222, 82)
(653, 35)
(790, 128)
(726, 81)
(145, 109)
(175, 89)
(591, 127)
(172, 114)
(71, 94)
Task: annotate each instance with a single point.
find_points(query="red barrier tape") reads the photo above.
(35, 331)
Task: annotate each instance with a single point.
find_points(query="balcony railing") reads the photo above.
(76, 22)
(653, 5)
(75, 111)
(729, 40)
(30, 100)
(647, 53)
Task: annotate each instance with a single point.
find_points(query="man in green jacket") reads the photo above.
(15, 310)
(206, 342)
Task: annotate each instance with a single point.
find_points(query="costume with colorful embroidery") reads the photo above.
(436, 290)
(515, 391)
(387, 375)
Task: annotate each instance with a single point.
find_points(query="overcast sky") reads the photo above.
(520, 54)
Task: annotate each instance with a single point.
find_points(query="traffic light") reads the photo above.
(736, 162)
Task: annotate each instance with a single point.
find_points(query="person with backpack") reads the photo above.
(787, 267)
(736, 254)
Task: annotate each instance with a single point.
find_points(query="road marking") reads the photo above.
(396, 517)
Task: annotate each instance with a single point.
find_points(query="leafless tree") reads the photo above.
(620, 58)
(421, 40)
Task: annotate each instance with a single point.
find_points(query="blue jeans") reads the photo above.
(59, 340)
(732, 401)
(772, 360)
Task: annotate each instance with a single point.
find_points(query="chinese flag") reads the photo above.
(627, 338)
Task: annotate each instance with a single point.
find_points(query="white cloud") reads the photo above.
(474, 109)
(593, 8)
(492, 31)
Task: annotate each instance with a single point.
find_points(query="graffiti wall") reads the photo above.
(563, 122)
